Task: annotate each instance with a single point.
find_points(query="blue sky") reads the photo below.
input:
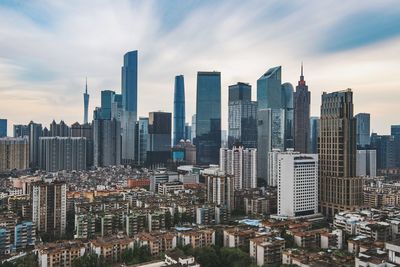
(48, 47)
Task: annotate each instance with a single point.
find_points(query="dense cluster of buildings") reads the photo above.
(119, 182)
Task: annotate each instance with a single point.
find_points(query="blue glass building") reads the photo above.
(314, 134)
(363, 129)
(242, 116)
(208, 117)
(3, 127)
(179, 109)
(269, 93)
(130, 81)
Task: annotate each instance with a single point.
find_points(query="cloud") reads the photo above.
(48, 47)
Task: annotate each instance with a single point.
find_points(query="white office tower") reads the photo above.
(297, 181)
(273, 172)
(366, 163)
(240, 163)
(128, 125)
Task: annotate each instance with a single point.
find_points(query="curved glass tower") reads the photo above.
(179, 109)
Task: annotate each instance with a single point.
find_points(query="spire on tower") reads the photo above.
(302, 68)
(86, 86)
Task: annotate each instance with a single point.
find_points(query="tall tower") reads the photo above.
(179, 109)
(340, 189)
(85, 105)
(208, 117)
(242, 120)
(302, 116)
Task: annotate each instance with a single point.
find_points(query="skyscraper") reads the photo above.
(3, 127)
(314, 134)
(85, 130)
(340, 189)
(179, 109)
(130, 81)
(269, 89)
(363, 129)
(366, 163)
(85, 105)
(193, 134)
(159, 142)
(104, 112)
(287, 103)
(60, 129)
(302, 100)
(208, 117)
(386, 151)
(242, 120)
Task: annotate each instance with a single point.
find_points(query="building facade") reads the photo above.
(179, 109)
(219, 187)
(3, 128)
(314, 134)
(62, 153)
(363, 129)
(340, 189)
(14, 153)
(208, 117)
(241, 164)
(302, 100)
(287, 102)
(297, 183)
(106, 143)
(366, 163)
(159, 142)
(242, 120)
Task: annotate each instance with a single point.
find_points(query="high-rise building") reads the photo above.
(179, 109)
(271, 128)
(219, 187)
(35, 132)
(14, 153)
(363, 129)
(85, 105)
(104, 112)
(297, 181)
(386, 151)
(302, 100)
(241, 164)
(106, 142)
(340, 189)
(269, 89)
(208, 117)
(60, 129)
(193, 133)
(142, 136)
(49, 207)
(130, 81)
(85, 130)
(159, 142)
(264, 117)
(3, 128)
(395, 130)
(21, 130)
(116, 107)
(62, 153)
(366, 163)
(314, 134)
(242, 120)
(188, 132)
(287, 102)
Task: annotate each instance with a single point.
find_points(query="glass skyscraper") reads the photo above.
(314, 134)
(3, 127)
(287, 102)
(269, 92)
(179, 109)
(141, 136)
(363, 129)
(208, 117)
(242, 120)
(130, 81)
(159, 142)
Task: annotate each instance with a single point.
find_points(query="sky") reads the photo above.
(47, 48)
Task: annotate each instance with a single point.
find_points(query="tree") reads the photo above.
(207, 257)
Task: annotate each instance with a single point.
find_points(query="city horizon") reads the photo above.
(38, 84)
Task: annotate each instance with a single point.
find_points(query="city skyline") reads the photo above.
(37, 78)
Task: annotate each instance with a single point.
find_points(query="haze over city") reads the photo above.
(47, 49)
